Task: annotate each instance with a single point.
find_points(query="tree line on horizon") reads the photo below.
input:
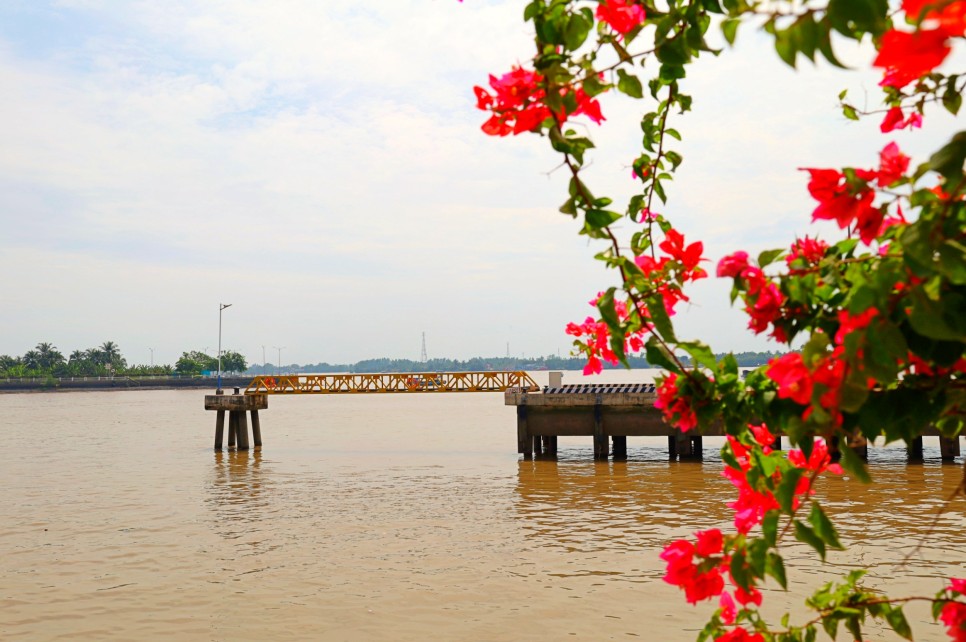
(45, 360)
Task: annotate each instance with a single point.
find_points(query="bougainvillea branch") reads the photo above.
(878, 310)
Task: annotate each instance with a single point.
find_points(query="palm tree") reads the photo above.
(49, 357)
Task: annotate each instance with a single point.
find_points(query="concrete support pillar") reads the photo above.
(242, 430)
(601, 447)
(537, 445)
(232, 429)
(685, 446)
(915, 451)
(948, 448)
(524, 441)
(220, 430)
(620, 447)
(256, 429)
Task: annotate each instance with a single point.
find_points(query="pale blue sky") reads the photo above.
(319, 165)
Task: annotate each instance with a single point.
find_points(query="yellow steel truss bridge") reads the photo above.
(497, 381)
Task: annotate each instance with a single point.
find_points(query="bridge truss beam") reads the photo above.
(497, 381)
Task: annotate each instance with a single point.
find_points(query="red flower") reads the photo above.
(622, 15)
(807, 250)
(909, 56)
(845, 204)
(727, 608)
(766, 307)
(739, 634)
(677, 412)
(951, 17)
(953, 616)
(763, 436)
(673, 244)
(792, 376)
(710, 542)
(894, 119)
(893, 165)
(958, 585)
(733, 264)
(752, 596)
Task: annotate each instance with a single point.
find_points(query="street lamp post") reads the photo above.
(221, 306)
(278, 369)
(152, 357)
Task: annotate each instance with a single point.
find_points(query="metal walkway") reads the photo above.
(497, 381)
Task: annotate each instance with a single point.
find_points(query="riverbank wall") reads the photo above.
(68, 384)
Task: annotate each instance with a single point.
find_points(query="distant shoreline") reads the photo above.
(80, 384)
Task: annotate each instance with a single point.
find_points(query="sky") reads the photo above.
(319, 166)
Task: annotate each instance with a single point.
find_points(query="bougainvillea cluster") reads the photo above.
(877, 309)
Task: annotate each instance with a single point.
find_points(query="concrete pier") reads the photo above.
(610, 413)
(607, 413)
(236, 405)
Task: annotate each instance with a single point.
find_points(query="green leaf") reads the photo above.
(785, 46)
(658, 356)
(700, 354)
(775, 567)
(851, 16)
(769, 527)
(948, 161)
(605, 304)
(729, 27)
(629, 84)
(785, 492)
(897, 620)
(660, 319)
(576, 31)
(597, 219)
(739, 571)
(854, 465)
(823, 527)
(849, 112)
(768, 257)
(806, 535)
(928, 318)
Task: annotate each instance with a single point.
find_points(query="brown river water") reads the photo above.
(393, 517)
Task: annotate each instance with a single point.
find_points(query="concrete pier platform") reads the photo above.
(236, 405)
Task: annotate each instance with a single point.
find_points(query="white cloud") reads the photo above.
(321, 166)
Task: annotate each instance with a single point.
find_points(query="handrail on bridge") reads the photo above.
(496, 381)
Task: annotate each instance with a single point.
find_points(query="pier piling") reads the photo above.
(236, 405)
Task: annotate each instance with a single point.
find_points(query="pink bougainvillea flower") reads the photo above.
(893, 165)
(909, 56)
(733, 265)
(623, 16)
(792, 376)
(951, 16)
(807, 250)
(710, 542)
(953, 615)
(958, 585)
(727, 605)
(895, 119)
(739, 634)
(673, 245)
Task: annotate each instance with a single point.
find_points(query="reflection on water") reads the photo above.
(387, 519)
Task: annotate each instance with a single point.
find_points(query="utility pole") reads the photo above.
(221, 306)
(278, 370)
(152, 356)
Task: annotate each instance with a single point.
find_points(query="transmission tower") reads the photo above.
(422, 355)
